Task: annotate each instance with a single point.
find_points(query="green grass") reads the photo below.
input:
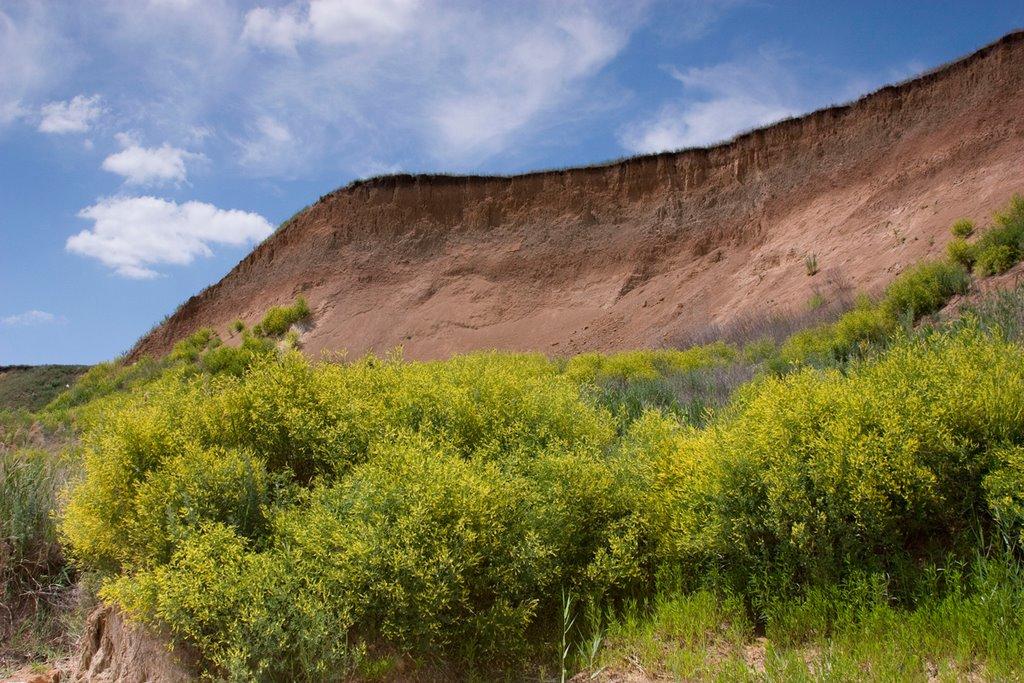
(971, 624)
(30, 388)
(34, 578)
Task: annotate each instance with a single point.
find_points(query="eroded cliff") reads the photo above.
(637, 252)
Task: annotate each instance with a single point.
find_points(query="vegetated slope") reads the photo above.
(30, 387)
(633, 253)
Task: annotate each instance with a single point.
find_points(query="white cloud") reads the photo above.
(275, 28)
(295, 87)
(356, 21)
(738, 96)
(149, 165)
(751, 91)
(270, 147)
(330, 22)
(29, 318)
(73, 116)
(131, 234)
(32, 57)
(701, 124)
(524, 72)
(454, 85)
(721, 101)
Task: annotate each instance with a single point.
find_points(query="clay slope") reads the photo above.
(634, 253)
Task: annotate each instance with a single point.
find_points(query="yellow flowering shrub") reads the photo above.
(646, 364)
(284, 519)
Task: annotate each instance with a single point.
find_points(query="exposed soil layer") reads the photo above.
(638, 252)
(113, 650)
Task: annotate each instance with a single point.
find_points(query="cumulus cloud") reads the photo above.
(133, 234)
(29, 318)
(727, 99)
(149, 165)
(73, 116)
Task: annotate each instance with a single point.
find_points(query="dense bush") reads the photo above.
(193, 346)
(1004, 489)
(918, 291)
(823, 473)
(286, 517)
(445, 506)
(963, 228)
(629, 365)
(867, 323)
(962, 252)
(1007, 233)
(106, 379)
(434, 505)
(924, 289)
(279, 319)
(994, 259)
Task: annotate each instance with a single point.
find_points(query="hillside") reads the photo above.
(30, 387)
(637, 252)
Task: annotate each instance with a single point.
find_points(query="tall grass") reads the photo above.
(968, 625)
(33, 575)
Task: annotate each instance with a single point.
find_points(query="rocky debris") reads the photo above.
(30, 675)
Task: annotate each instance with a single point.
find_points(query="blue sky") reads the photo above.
(147, 145)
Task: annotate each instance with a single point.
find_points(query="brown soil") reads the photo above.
(114, 650)
(637, 252)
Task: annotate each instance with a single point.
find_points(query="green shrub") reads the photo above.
(190, 348)
(961, 252)
(758, 351)
(824, 473)
(437, 506)
(234, 360)
(106, 379)
(918, 291)
(856, 330)
(1004, 491)
(994, 259)
(963, 228)
(279, 319)
(924, 289)
(1002, 245)
(649, 365)
(429, 550)
(237, 607)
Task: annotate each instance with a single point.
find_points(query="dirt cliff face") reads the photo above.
(636, 253)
